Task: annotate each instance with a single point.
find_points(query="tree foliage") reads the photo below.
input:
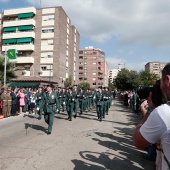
(130, 80)
(68, 82)
(147, 78)
(84, 85)
(10, 70)
(127, 80)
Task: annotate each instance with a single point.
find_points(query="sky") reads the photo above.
(130, 32)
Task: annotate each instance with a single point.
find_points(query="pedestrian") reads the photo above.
(32, 103)
(155, 128)
(21, 100)
(14, 101)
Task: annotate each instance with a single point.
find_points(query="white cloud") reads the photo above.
(131, 21)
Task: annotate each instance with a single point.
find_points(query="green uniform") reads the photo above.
(99, 109)
(70, 105)
(50, 106)
(76, 102)
(39, 103)
(81, 101)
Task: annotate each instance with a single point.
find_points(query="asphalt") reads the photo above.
(82, 144)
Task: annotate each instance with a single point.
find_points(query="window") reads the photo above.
(80, 57)
(94, 79)
(47, 17)
(47, 55)
(80, 52)
(94, 74)
(50, 42)
(48, 30)
(44, 68)
(27, 68)
(94, 63)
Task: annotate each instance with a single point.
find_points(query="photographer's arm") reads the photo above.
(138, 140)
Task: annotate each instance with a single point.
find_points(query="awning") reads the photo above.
(25, 27)
(26, 15)
(8, 41)
(24, 40)
(24, 84)
(8, 29)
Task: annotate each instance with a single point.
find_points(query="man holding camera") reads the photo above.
(156, 128)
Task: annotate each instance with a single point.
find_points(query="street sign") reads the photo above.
(12, 54)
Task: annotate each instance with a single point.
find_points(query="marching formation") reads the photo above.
(50, 101)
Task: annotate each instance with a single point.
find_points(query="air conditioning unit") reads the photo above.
(19, 52)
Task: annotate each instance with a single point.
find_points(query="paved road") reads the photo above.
(83, 144)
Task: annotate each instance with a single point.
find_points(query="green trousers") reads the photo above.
(49, 119)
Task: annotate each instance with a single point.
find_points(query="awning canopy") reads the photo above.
(24, 84)
(24, 40)
(8, 29)
(26, 15)
(25, 27)
(8, 41)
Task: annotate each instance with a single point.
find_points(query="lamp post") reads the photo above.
(121, 64)
(5, 69)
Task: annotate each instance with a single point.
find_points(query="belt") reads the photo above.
(50, 103)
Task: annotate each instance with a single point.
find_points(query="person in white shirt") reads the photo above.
(156, 128)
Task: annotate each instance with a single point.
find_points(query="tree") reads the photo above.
(127, 80)
(111, 85)
(68, 82)
(10, 70)
(147, 78)
(84, 85)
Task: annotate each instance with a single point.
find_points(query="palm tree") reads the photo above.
(10, 70)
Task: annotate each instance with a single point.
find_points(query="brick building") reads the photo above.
(93, 67)
(47, 44)
(155, 67)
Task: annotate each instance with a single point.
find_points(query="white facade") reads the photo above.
(113, 74)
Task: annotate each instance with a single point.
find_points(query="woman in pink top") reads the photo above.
(21, 100)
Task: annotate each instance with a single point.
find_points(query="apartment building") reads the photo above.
(113, 74)
(46, 42)
(155, 67)
(92, 66)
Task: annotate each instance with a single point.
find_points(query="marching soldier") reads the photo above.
(50, 106)
(63, 102)
(70, 103)
(81, 100)
(39, 101)
(99, 99)
(76, 101)
(59, 93)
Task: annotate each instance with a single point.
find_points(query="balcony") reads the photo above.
(16, 11)
(19, 35)
(47, 35)
(10, 23)
(24, 60)
(19, 47)
(46, 60)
